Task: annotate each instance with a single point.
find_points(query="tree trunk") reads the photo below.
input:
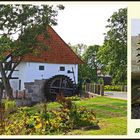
(6, 82)
(8, 88)
(1, 92)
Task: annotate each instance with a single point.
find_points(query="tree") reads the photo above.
(79, 49)
(90, 57)
(88, 54)
(113, 54)
(27, 22)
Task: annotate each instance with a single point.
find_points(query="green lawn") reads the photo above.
(111, 113)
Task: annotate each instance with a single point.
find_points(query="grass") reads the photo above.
(111, 113)
(108, 126)
(123, 92)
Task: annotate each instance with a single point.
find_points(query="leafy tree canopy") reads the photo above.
(113, 54)
(25, 22)
(88, 54)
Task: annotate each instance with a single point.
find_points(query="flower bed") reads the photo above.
(49, 122)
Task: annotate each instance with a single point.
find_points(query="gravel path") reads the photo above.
(114, 94)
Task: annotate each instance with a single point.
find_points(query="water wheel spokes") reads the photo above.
(57, 85)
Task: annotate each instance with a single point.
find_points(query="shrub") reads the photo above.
(78, 116)
(49, 122)
(113, 87)
(9, 105)
(74, 98)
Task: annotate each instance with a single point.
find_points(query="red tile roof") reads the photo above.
(58, 51)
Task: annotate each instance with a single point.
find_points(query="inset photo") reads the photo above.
(135, 69)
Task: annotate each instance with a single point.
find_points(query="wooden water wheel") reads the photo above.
(59, 84)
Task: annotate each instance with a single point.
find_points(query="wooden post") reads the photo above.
(94, 88)
(99, 89)
(16, 94)
(102, 90)
(24, 94)
(88, 86)
(85, 87)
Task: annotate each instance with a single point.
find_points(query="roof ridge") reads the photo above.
(66, 45)
(58, 53)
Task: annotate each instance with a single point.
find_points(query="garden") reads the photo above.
(66, 116)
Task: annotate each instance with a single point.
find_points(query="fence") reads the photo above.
(21, 98)
(16, 94)
(94, 88)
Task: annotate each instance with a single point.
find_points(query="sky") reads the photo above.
(135, 27)
(84, 23)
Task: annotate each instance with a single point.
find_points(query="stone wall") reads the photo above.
(34, 90)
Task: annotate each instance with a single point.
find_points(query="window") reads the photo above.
(41, 67)
(62, 68)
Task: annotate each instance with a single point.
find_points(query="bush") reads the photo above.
(9, 105)
(49, 122)
(113, 87)
(74, 98)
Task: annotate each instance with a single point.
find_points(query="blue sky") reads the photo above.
(135, 27)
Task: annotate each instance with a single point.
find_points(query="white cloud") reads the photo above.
(85, 22)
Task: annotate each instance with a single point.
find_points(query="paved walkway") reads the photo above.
(114, 94)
